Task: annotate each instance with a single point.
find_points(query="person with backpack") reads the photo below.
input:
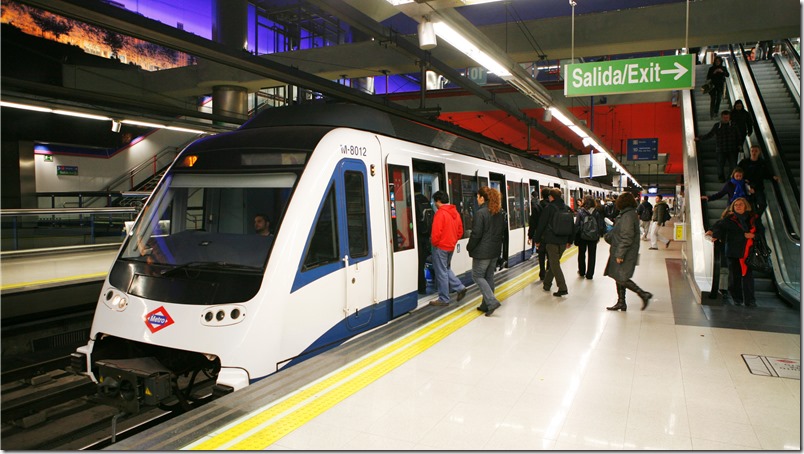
(589, 226)
(556, 229)
(645, 213)
(624, 252)
(661, 214)
(532, 223)
(424, 222)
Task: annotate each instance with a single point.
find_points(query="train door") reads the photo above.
(497, 181)
(404, 259)
(428, 177)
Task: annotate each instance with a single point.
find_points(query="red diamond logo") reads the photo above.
(158, 319)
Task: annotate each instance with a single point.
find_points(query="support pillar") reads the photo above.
(229, 23)
(230, 101)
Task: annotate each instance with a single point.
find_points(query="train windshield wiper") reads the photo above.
(216, 266)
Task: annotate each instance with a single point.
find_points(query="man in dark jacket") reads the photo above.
(743, 121)
(532, 223)
(726, 144)
(645, 213)
(755, 171)
(554, 244)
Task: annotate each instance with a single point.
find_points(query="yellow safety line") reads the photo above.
(397, 353)
(52, 281)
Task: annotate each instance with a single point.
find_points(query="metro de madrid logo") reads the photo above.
(158, 319)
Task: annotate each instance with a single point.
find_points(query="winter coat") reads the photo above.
(727, 138)
(486, 239)
(743, 120)
(447, 228)
(659, 212)
(718, 78)
(732, 232)
(624, 241)
(601, 225)
(755, 172)
(534, 218)
(543, 233)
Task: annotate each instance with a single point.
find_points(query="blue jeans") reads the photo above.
(445, 278)
(483, 275)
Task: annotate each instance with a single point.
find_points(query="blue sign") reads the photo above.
(643, 149)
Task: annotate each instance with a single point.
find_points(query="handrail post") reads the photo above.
(14, 229)
(91, 229)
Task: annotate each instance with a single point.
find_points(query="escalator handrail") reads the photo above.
(769, 144)
(792, 49)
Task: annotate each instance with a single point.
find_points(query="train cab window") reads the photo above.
(356, 219)
(323, 243)
(401, 202)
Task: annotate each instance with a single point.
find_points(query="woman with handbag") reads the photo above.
(739, 228)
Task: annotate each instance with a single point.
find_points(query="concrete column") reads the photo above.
(229, 18)
(230, 101)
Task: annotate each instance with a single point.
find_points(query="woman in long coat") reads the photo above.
(624, 252)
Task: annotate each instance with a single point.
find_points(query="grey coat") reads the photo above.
(486, 239)
(624, 241)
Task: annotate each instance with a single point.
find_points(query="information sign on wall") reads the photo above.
(66, 170)
(643, 149)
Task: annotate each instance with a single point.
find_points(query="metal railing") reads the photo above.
(53, 228)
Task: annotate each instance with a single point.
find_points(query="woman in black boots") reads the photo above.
(624, 252)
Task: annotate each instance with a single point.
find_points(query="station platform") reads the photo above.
(542, 372)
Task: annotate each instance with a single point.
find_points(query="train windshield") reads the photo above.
(223, 222)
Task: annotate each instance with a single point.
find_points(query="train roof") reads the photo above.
(372, 120)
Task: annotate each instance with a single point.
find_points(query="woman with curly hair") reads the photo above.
(485, 244)
(738, 227)
(624, 252)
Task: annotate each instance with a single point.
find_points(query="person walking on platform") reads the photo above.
(737, 228)
(447, 229)
(734, 188)
(624, 252)
(726, 143)
(589, 227)
(485, 245)
(744, 121)
(756, 170)
(661, 214)
(717, 74)
(645, 213)
(556, 230)
(532, 223)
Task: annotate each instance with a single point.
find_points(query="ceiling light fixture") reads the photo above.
(459, 42)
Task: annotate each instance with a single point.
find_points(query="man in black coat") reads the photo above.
(532, 223)
(726, 144)
(756, 170)
(554, 244)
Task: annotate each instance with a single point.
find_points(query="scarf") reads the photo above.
(747, 226)
(739, 189)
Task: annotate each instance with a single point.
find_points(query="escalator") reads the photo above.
(775, 304)
(783, 113)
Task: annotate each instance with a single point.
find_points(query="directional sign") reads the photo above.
(643, 149)
(673, 72)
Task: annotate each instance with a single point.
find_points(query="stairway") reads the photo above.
(783, 113)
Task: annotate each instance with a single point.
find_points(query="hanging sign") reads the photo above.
(643, 149)
(633, 75)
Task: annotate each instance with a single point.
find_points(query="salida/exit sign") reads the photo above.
(672, 72)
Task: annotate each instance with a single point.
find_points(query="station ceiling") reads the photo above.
(527, 30)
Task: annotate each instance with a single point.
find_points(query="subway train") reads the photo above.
(196, 294)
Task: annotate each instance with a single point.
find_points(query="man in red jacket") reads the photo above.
(446, 231)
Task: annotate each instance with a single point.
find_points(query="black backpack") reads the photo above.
(563, 223)
(589, 228)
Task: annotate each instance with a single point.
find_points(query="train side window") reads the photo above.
(322, 246)
(515, 207)
(356, 219)
(468, 200)
(401, 202)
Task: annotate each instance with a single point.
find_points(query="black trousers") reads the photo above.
(741, 288)
(587, 268)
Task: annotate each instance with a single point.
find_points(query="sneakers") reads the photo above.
(561, 293)
(492, 308)
(482, 308)
(461, 294)
(438, 303)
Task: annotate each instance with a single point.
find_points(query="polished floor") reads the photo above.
(566, 374)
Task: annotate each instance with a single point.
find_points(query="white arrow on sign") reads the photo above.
(679, 71)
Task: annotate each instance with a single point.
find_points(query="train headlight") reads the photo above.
(223, 315)
(115, 300)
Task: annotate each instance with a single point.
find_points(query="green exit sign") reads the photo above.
(673, 72)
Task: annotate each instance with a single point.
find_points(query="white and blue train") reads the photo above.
(195, 292)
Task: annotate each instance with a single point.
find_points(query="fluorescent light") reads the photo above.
(586, 141)
(477, 2)
(14, 105)
(580, 132)
(176, 128)
(143, 123)
(399, 2)
(71, 113)
(459, 42)
(561, 117)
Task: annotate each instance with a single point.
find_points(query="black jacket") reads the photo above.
(755, 172)
(601, 224)
(543, 233)
(486, 239)
(645, 211)
(732, 230)
(727, 138)
(718, 78)
(743, 120)
(533, 221)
